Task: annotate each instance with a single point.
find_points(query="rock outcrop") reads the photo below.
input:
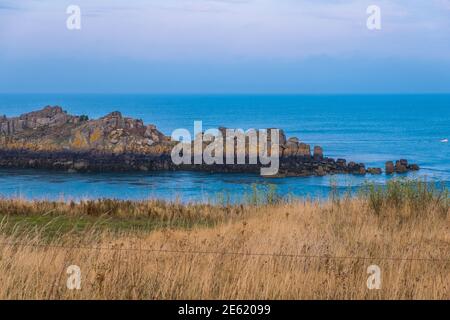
(116, 134)
(47, 117)
(293, 147)
(53, 139)
(52, 129)
(318, 153)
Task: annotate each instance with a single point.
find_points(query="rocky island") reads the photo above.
(53, 139)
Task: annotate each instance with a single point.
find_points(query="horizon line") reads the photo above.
(231, 93)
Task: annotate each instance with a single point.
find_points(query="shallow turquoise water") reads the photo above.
(363, 128)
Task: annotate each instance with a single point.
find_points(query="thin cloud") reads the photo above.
(7, 5)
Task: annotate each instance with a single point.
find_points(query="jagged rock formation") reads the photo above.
(117, 134)
(293, 147)
(47, 117)
(53, 139)
(52, 129)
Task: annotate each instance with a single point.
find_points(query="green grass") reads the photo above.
(419, 195)
(263, 194)
(56, 225)
(53, 218)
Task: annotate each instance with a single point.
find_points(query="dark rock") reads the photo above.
(390, 169)
(356, 168)
(399, 167)
(351, 165)
(320, 171)
(318, 153)
(341, 163)
(361, 168)
(80, 165)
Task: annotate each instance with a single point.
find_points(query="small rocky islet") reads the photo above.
(52, 139)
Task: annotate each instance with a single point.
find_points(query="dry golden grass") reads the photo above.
(315, 247)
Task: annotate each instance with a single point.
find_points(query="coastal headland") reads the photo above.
(52, 139)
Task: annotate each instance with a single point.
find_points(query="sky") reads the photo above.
(225, 46)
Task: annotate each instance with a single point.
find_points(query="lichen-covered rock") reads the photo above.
(53, 139)
(47, 117)
(293, 147)
(52, 129)
(304, 150)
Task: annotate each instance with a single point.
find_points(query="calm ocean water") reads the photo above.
(362, 128)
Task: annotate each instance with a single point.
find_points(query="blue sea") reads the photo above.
(363, 128)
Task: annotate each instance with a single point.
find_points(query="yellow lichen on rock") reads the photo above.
(79, 141)
(96, 135)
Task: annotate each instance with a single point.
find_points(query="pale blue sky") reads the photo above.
(207, 46)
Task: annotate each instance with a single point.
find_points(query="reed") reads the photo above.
(286, 249)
